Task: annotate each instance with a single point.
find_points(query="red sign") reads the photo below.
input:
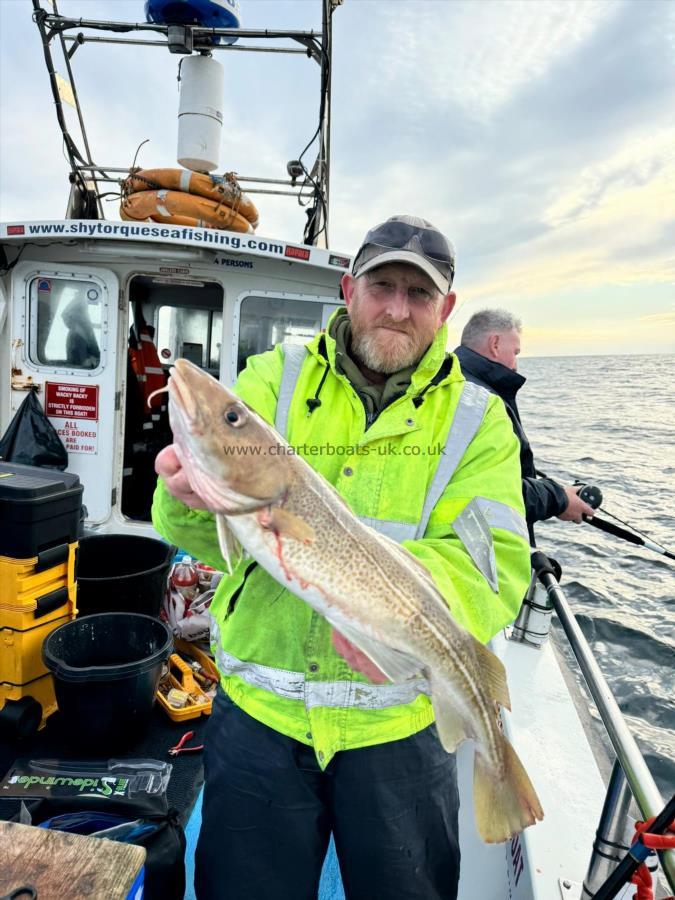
(71, 401)
(15, 229)
(297, 252)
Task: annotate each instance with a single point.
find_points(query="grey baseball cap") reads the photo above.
(412, 240)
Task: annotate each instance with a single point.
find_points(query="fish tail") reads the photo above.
(505, 801)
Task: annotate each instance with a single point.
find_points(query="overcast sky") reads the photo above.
(539, 135)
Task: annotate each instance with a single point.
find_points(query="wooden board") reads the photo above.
(62, 865)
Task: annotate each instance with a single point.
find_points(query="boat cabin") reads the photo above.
(94, 324)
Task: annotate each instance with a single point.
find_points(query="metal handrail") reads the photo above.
(639, 778)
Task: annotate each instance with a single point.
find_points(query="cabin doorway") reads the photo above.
(168, 319)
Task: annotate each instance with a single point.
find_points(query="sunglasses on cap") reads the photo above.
(397, 236)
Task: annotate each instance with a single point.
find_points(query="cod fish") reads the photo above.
(370, 589)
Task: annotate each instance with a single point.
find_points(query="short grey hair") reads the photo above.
(486, 322)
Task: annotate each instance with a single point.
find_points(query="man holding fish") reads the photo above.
(349, 634)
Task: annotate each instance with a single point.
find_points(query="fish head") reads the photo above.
(223, 445)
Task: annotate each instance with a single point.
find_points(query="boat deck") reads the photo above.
(545, 729)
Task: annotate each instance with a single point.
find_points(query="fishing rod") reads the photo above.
(592, 495)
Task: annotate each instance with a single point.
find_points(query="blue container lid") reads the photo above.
(209, 13)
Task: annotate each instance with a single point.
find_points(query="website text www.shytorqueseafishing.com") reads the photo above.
(129, 230)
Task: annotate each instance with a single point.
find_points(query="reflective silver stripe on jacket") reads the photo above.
(397, 531)
(294, 686)
(294, 356)
(499, 515)
(472, 529)
(466, 422)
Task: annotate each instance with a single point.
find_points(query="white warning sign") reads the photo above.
(78, 436)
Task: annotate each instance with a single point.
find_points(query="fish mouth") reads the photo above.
(181, 395)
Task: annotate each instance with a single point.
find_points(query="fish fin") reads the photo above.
(505, 802)
(493, 675)
(397, 666)
(230, 547)
(449, 722)
(286, 524)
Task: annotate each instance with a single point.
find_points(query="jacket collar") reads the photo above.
(428, 366)
(496, 376)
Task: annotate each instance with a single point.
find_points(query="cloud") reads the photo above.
(665, 318)
(481, 54)
(640, 161)
(538, 136)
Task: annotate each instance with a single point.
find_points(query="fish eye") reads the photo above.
(235, 415)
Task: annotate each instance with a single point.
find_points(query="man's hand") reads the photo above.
(577, 509)
(169, 469)
(357, 660)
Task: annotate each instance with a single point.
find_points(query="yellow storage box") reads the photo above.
(40, 690)
(20, 578)
(22, 634)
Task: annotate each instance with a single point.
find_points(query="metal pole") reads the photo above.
(327, 77)
(61, 23)
(84, 39)
(610, 846)
(637, 773)
(533, 625)
(247, 178)
(80, 119)
(638, 854)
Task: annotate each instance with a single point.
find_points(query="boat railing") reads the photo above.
(630, 776)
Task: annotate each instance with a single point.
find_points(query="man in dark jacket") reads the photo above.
(490, 345)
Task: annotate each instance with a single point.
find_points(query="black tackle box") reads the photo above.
(39, 508)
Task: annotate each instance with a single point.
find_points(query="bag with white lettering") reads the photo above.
(131, 789)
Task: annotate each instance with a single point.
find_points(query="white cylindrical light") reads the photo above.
(200, 113)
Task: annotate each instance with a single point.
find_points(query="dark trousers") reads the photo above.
(269, 810)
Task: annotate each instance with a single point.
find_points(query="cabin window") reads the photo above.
(194, 334)
(65, 322)
(266, 321)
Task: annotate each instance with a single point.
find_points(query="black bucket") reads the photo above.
(106, 669)
(122, 573)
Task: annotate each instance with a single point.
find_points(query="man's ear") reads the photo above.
(493, 345)
(348, 283)
(447, 305)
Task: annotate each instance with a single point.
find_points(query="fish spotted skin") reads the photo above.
(372, 590)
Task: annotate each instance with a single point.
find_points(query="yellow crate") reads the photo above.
(182, 678)
(42, 690)
(19, 576)
(35, 608)
(21, 650)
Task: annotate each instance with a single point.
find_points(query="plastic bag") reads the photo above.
(31, 439)
(188, 616)
(189, 620)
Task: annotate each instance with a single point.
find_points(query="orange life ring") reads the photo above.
(213, 187)
(169, 220)
(179, 208)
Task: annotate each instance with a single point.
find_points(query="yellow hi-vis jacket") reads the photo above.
(438, 470)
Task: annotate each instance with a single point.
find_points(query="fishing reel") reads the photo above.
(590, 493)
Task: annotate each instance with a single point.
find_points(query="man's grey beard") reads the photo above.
(364, 346)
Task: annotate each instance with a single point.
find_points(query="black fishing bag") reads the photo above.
(31, 439)
(165, 847)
